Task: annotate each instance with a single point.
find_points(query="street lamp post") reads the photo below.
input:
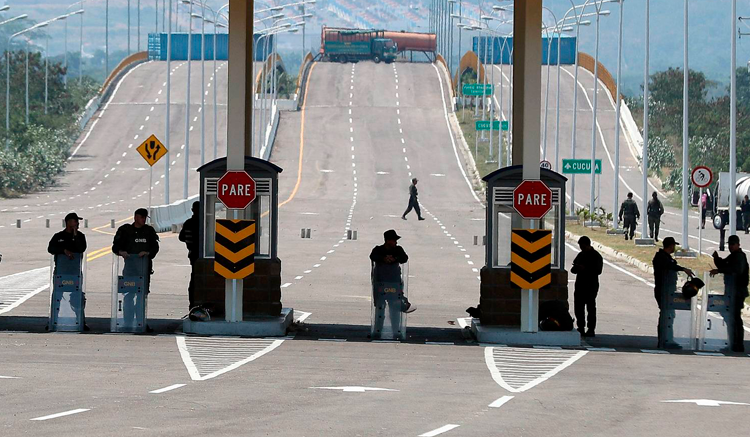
(65, 56)
(685, 120)
(733, 126)
(216, 81)
(644, 153)
(617, 118)
(169, 103)
(187, 107)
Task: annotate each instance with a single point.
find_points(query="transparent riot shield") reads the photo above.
(67, 293)
(678, 317)
(130, 287)
(715, 313)
(389, 301)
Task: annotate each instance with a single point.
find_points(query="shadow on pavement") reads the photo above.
(98, 325)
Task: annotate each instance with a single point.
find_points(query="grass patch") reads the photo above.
(646, 254)
(480, 150)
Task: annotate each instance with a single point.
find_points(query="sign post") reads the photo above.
(702, 178)
(152, 150)
(236, 190)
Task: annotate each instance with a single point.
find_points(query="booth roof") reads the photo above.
(254, 162)
(517, 170)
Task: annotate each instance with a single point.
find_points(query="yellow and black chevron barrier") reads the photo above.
(235, 248)
(530, 258)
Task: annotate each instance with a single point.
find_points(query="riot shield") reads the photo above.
(678, 317)
(67, 293)
(715, 313)
(130, 287)
(389, 301)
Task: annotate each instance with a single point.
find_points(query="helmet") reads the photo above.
(549, 324)
(691, 288)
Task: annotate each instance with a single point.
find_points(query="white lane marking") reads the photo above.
(500, 402)
(166, 389)
(17, 288)
(705, 402)
(9, 377)
(286, 285)
(301, 316)
(354, 389)
(439, 431)
(453, 140)
(64, 413)
(520, 369)
(209, 357)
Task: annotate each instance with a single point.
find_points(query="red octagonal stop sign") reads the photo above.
(236, 189)
(532, 199)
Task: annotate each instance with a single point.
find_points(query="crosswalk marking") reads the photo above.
(209, 357)
(18, 288)
(519, 369)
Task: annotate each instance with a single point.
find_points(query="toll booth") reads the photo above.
(500, 300)
(131, 277)
(67, 293)
(262, 289)
(390, 291)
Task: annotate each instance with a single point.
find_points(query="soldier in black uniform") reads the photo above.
(137, 243)
(665, 283)
(587, 266)
(735, 270)
(654, 211)
(69, 242)
(413, 202)
(189, 236)
(629, 211)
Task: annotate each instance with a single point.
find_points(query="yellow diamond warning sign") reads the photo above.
(152, 150)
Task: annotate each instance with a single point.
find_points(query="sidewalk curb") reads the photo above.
(615, 254)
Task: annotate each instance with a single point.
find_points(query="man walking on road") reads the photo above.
(654, 212)
(189, 236)
(735, 270)
(413, 202)
(587, 266)
(629, 211)
(665, 284)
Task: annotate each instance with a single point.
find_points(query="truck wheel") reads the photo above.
(719, 221)
(376, 59)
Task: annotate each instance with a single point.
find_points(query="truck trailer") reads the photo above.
(722, 198)
(350, 45)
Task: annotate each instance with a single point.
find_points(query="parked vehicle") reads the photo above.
(722, 198)
(349, 45)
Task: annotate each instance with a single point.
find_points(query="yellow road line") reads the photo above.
(301, 141)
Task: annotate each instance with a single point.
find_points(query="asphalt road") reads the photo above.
(347, 158)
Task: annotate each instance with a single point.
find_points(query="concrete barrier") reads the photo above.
(163, 217)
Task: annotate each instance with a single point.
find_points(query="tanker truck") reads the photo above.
(351, 45)
(722, 196)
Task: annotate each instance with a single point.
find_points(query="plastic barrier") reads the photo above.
(130, 287)
(678, 324)
(67, 293)
(715, 316)
(389, 291)
(164, 216)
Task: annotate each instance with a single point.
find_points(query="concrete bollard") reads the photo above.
(18, 223)
(476, 240)
(85, 223)
(47, 224)
(351, 235)
(112, 223)
(305, 233)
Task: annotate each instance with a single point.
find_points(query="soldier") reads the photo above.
(745, 208)
(70, 242)
(735, 270)
(137, 243)
(189, 236)
(413, 202)
(587, 267)
(665, 283)
(629, 210)
(654, 212)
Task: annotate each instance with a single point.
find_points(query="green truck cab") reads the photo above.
(384, 49)
(350, 45)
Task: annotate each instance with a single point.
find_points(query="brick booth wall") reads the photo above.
(261, 290)
(501, 301)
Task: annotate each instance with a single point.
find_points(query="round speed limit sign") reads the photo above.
(545, 165)
(702, 176)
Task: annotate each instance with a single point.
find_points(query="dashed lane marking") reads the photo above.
(63, 414)
(209, 357)
(520, 369)
(166, 389)
(500, 402)
(438, 431)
